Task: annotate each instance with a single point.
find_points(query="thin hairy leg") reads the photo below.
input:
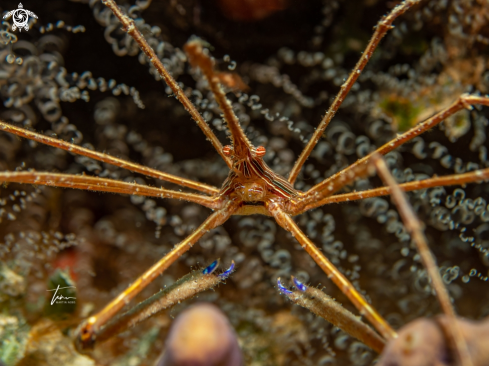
(199, 59)
(449, 180)
(72, 148)
(380, 30)
(88, 331)
(330, 310)
(379, 323)
(183, 289)
(130, 27)
(415, 228)
(337, 181)
(105, 185)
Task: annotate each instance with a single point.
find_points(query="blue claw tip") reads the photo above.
(282, 289)
(300, 286)
(211, 268)
(226, 273)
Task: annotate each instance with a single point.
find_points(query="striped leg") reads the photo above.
(88, 183)
(379, 323)
(346, 176)
(384, 25)
(87, 333)
(448, 180)
(105, 158)
(131, 29)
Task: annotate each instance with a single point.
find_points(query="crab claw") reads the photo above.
(282, 288)
(211, 268)
(299, 285)
(227, 272)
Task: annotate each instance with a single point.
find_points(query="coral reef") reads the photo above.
(75, 75)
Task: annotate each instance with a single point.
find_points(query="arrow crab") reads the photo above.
(381, 274)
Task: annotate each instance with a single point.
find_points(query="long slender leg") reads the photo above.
(330, 310)
(184, 288)
(449, 180)
(72, 148)
(89, 329)
(379, 323)
(414, 226)
(381, 29)
(105, 185)
(199, 59)
(130, 27)
(349, 174)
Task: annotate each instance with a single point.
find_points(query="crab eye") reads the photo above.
(227, 150)
(260, 151)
